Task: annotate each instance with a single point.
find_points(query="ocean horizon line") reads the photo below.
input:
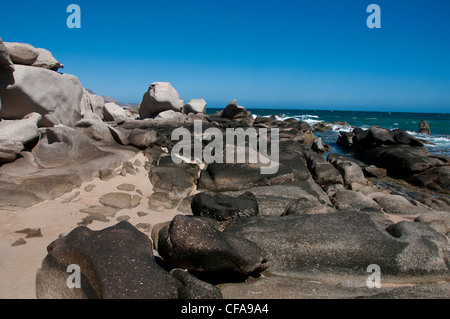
(136, 105)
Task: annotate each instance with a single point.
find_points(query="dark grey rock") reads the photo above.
(162, 200)
(427, 252)
(341, 241)
(439, 221)
(177, 180)
(234, 111)
(273, 199)
(401, 137)
(194, 288)
(401, 160)
(396, 204)
(345, 139)
(435, 178)
(191, 243)
(349, 169)
(222, 207)
(373, 171)
(232, 177)
(324, 172)
(115, 263)
(308, 205)
(424, 127)
(345, 200)
(155, 233)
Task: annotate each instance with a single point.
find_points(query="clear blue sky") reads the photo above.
(315, 54)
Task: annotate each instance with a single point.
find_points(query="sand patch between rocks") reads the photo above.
(18, 265)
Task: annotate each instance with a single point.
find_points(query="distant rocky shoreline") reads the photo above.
(238, 231)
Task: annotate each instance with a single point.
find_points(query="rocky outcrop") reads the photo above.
(195, 106)
(22, 53)
(396, 204)
(351, 172)
(92, 103)
(94, 128)
(62, 145)
(114, 113)
(14, 135)
(402, 160)
(233, 177)
(402, 155)
(57, 97)
(115, 263)
(193, 244)
(5, 59)
(193, 288)
(324, 172)
(161, 96)
(170, 118)
(427, 252)
(435, 178)
(376, 136)
(343, 241)
(439, 221)
(177, 180)
(46, 60)
(306, 204)
(141, 138)
(26, 54)
(424, 127)
(348, 199)
(222, 207)
(234, 111)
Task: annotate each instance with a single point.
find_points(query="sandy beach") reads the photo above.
(18, 264)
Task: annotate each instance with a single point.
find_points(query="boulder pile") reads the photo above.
(235, 228)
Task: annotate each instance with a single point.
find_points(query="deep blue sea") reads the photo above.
(409, 122)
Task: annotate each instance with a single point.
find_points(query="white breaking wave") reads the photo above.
(441, 141)
(341, 128)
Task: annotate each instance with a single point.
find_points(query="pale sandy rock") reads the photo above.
(114, 113)
(22, 53)
(171, 118)
(5, 60)
(46, 60)
(161, 96)
(195, 106)
(57, 97)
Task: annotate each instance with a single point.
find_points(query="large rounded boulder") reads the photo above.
(160, 97)
(57, 97)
